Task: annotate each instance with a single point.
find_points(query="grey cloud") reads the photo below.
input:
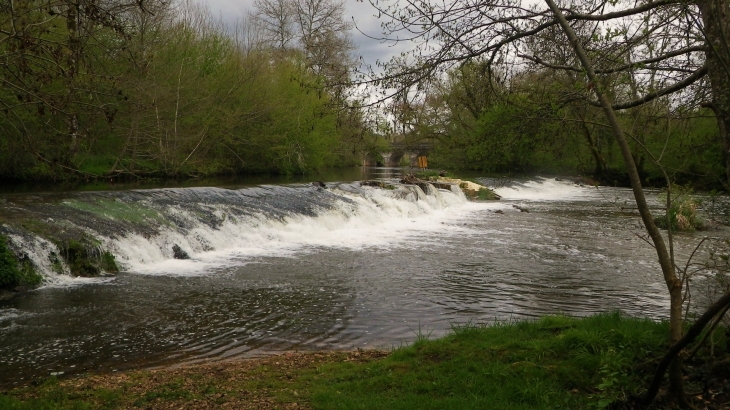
(362, 13)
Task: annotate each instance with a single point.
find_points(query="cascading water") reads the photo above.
(277, 268)
(212, 226)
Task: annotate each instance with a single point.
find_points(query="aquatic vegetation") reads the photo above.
(108, 262)
(14, 272)
(486, 194)
(682, 213)
(118, 210)
(86, 258)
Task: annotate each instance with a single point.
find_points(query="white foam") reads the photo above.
(544, 189)
(39, 252)
(367, 218)
(375, 218)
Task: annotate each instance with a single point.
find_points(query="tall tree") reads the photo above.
(316, 27)
(275, 19)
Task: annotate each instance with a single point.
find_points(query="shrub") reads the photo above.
(429, 175)
(682, 214)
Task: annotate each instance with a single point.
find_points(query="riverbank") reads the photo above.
(554, 362)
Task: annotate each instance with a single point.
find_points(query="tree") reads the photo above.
(677, 41)
(522, 124)
(658, 45)
(316, 27)
(56, 64)
(318, 31)
(275, 19)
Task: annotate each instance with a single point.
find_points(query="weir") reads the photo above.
(146, 229)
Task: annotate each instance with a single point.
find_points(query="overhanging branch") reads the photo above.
(701, 72)
(624, 67)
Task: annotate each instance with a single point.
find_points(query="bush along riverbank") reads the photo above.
(555, 362)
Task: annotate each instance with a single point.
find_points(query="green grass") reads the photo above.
(486, 194)
(556, 362)
(429, 175)
(553, 363)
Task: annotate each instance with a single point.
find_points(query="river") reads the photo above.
(295, 267)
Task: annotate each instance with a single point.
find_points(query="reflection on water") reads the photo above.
(232, 182)
(476, 262)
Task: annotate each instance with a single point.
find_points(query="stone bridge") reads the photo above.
(401, 154)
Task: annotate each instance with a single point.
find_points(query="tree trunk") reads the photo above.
(600, 163)
(74, 46)
(674, 285)
(716, 21)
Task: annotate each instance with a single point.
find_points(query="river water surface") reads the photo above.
(356, 269)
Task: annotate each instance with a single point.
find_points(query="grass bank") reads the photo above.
(552, 363)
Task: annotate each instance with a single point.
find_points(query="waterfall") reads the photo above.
(213, 227)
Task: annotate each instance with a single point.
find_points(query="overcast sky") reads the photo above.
(361, 12)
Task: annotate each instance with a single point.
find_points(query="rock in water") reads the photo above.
(319, 184)
(410, 179)
(178, 253)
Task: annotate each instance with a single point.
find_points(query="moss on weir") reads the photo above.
(486, 194)
(15, 272)
(85, 257)
(118, 210)
(79, 254)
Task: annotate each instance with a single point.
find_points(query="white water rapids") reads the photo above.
(355, 218)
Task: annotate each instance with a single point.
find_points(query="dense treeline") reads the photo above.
(96, 88)
(501, 87)
(530, 121)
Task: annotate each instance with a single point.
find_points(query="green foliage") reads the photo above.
(430, 175)
(14, 273)
(524, 125)
(486, 194)
(108, 262)
(79, 260)
(556, 362)
(174, 95)
(682, 212)
(85, 258)
(9, 273)
(28, 274)
(118, 210)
